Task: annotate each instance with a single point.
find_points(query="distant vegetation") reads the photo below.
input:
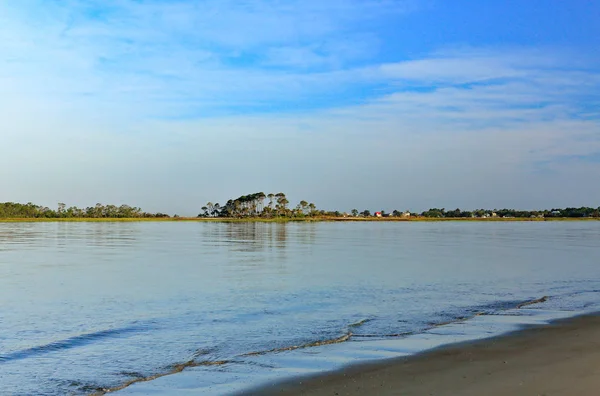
(275, 206)
(29, 210)
(264, 206)
(512, 213)
(261, 205)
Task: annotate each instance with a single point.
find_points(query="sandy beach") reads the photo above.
(559, 359)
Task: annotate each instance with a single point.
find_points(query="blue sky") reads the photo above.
(377, 104)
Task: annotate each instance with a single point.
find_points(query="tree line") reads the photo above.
(276, 205)
(513, 213)
(486, 213)
(29, 210)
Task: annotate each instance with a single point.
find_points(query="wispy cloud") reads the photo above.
(199, 54)
(188, 87)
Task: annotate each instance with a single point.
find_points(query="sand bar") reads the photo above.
(558, 359)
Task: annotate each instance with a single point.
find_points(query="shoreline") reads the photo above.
(560, 358)
(290, 220)
(428, 344)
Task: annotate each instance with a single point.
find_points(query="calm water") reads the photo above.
(85, 306)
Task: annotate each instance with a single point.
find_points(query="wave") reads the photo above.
(173, 369)
(342, 338)
(71, 342)
(539, 300)
(348, 335)
(485, 310)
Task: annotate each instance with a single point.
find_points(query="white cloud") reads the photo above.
(191, 55)
(128, 106)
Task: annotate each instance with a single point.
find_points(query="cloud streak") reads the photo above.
(155, 97)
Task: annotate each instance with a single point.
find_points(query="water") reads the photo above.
(90, 306)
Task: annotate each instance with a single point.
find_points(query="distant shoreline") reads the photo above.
(255, 208)
(290, 220)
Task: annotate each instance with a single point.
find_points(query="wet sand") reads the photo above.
(558, 359)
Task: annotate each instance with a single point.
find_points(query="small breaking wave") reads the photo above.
(359, 323)
(71, 342)
(343, 338)
(539, 300)
(173, 369)
(179, 367)
(458, 319)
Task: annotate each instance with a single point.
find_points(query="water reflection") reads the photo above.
(247, 236)
(18, 233)
(60, 235)
(256, 253)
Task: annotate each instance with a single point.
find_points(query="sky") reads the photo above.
(366, 104)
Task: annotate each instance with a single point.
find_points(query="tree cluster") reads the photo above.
(29, 210)
(259, 205)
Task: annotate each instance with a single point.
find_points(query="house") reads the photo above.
(406, 214)
(378, 214)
